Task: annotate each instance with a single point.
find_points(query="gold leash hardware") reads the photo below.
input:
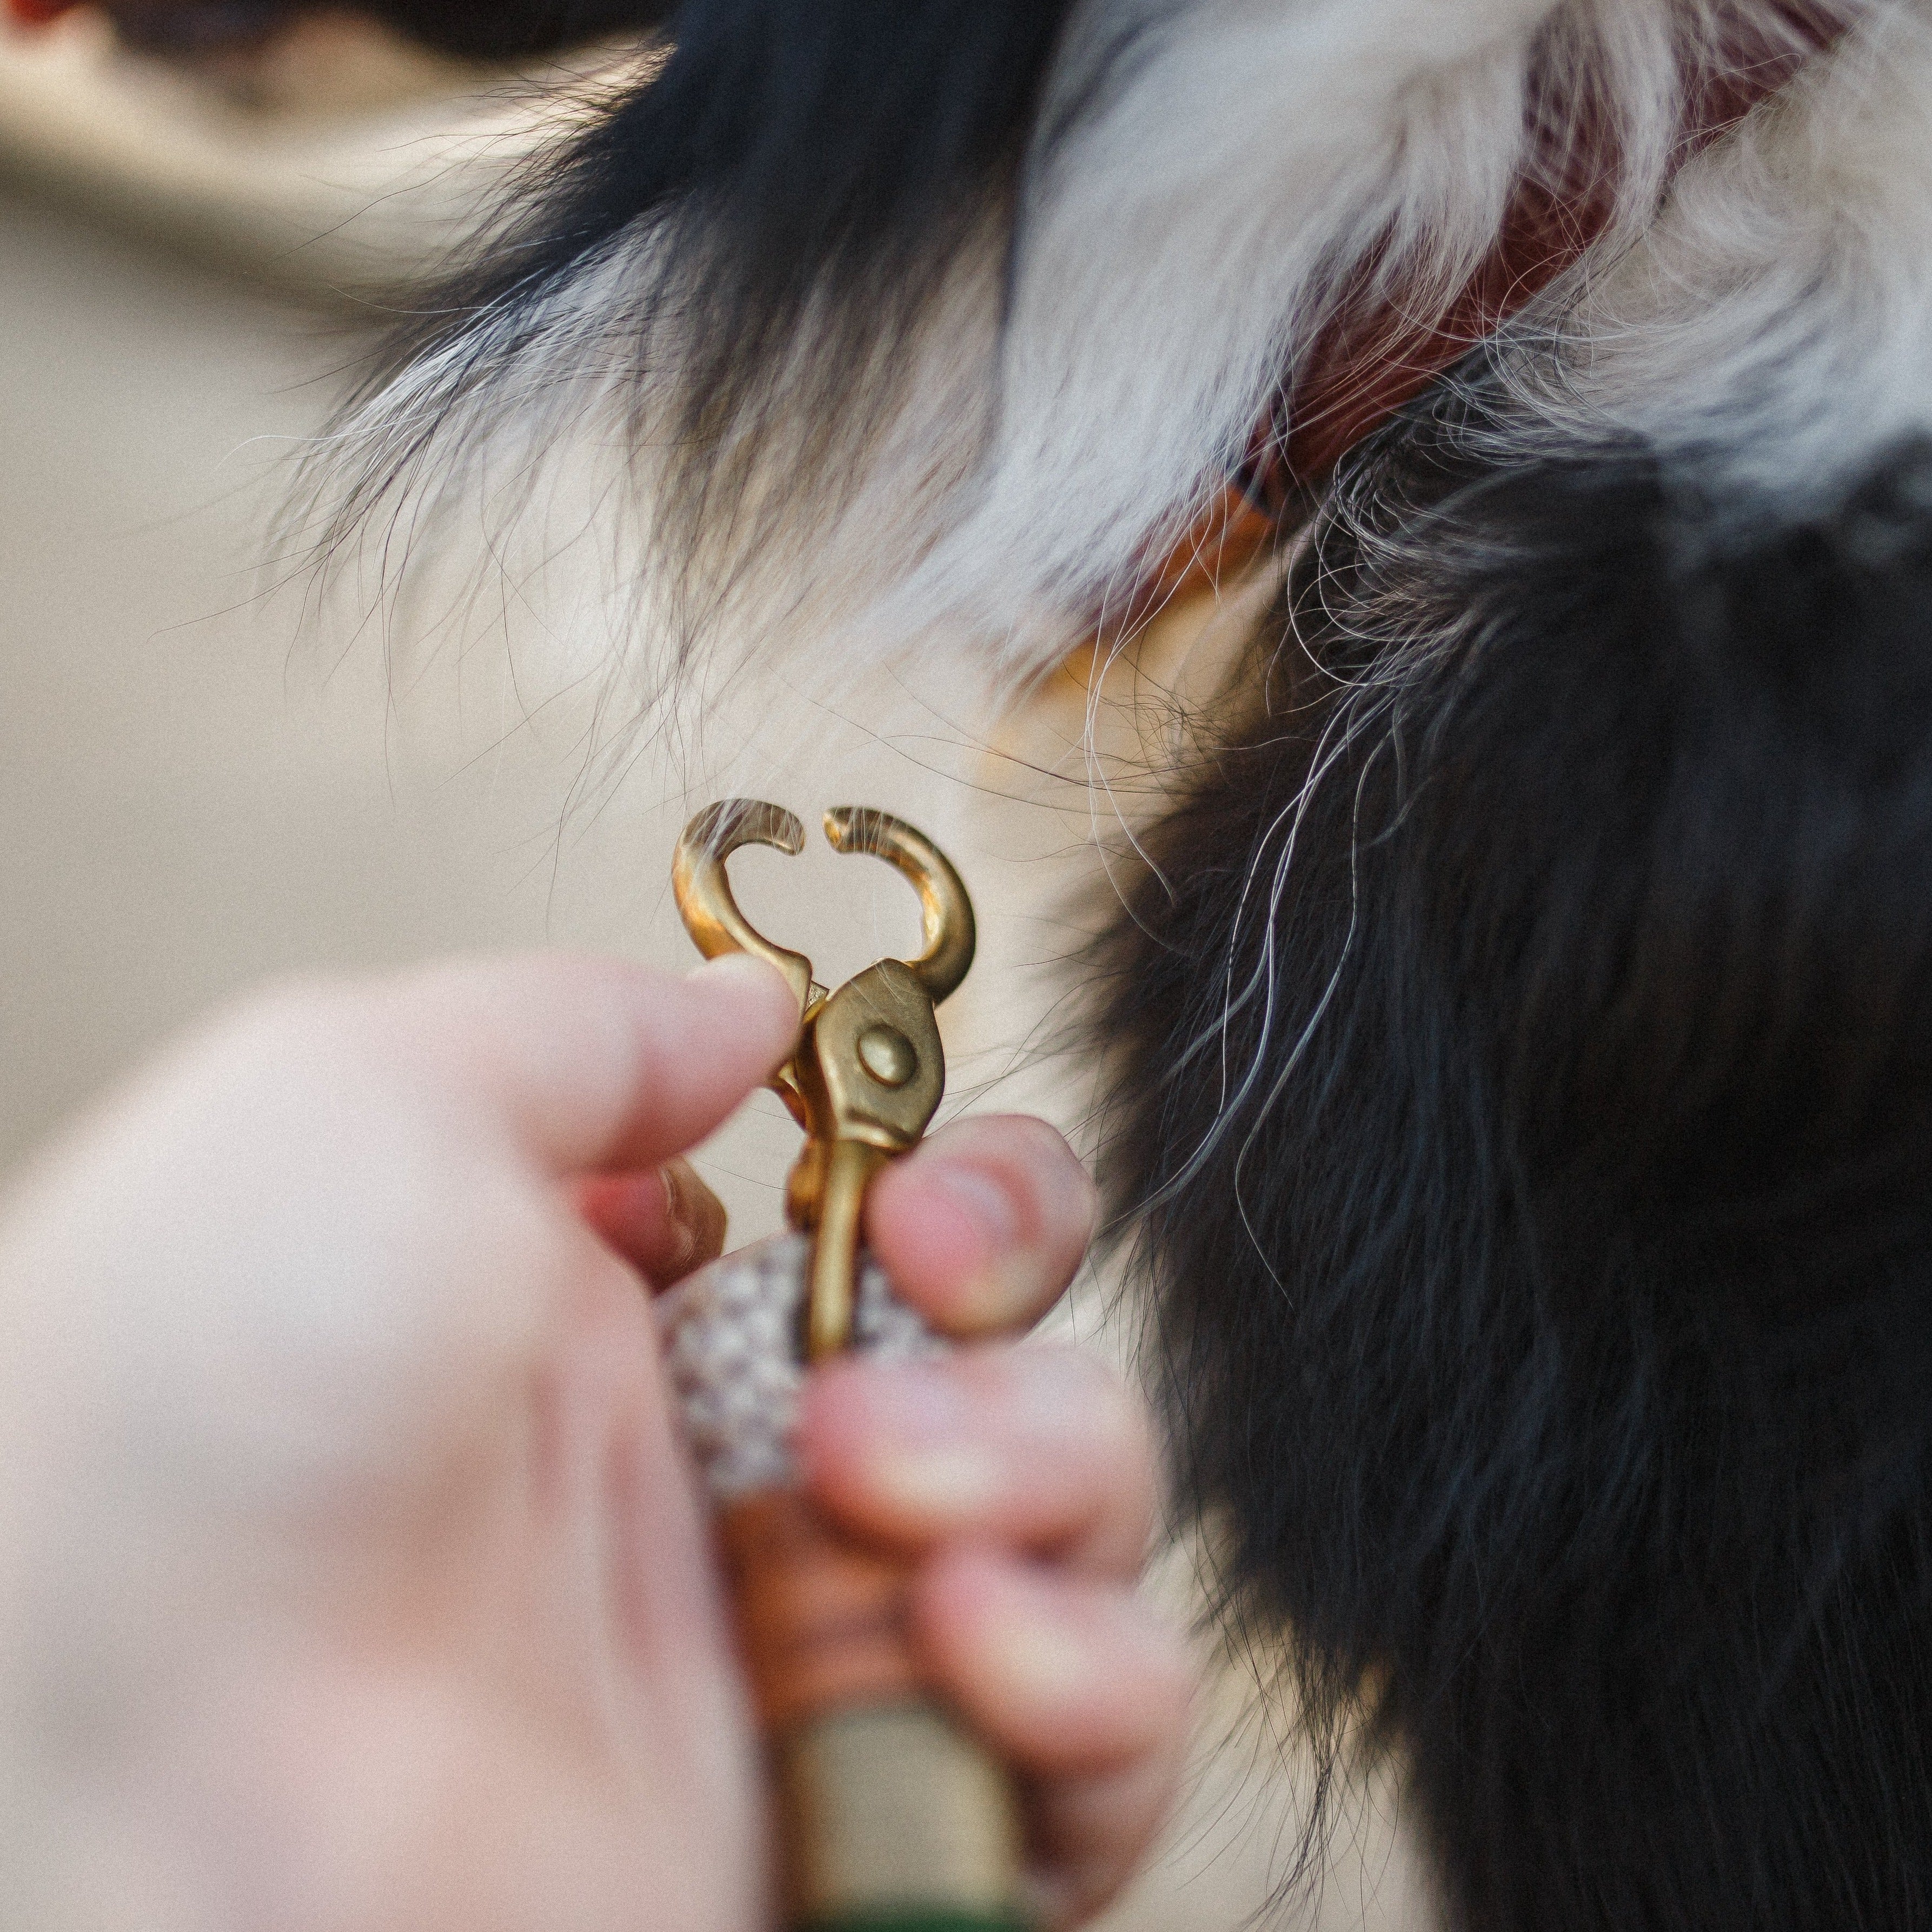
(869, 1072)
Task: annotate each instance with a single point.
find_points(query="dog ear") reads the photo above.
(725, 265)
(841, 146)
(810, 172)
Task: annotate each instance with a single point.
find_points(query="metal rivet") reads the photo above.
(887, 1055)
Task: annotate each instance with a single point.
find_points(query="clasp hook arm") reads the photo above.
(869, 1071)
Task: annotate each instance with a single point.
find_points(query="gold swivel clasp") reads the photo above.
(869, 1071)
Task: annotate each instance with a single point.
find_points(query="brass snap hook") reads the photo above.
(946, 913)
(713, 917)
(869, 1072)
(702, 887)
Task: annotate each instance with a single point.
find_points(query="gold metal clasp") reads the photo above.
(869, 1071)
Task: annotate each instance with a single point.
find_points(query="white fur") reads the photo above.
(1773, 328)
(1180, 249)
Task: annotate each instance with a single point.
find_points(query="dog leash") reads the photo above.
(869, 1070)
(892, 1817)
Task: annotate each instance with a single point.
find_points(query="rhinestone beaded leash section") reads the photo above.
(892, 1817)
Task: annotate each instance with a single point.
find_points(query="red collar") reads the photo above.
(1373, 358)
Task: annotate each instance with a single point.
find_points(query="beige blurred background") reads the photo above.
(206, 778)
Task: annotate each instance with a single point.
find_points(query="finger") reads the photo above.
(665, 1221)
(1083, 1691)
(1037, 1447)
(1091, 1835)
(590, 1063)
(983, 1228)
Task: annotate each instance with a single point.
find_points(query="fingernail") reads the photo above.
(922, 1459)
(676, 1177)
(984, 1202)
(732, 971)
(1008, 1291)
(1007, 1284)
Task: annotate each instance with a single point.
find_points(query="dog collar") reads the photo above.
(1373, 358)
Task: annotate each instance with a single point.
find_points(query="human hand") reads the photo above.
(349, 1573)
(1025, 1478)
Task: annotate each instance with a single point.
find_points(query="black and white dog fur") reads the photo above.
(1525, 1111)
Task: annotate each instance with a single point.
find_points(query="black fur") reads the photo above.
(477, 29)
(504, 29)
(1532, 1078)
(846, 138)
(816, 163)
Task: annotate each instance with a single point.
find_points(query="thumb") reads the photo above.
(594, 1063)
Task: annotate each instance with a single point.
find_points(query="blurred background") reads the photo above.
(210, 773)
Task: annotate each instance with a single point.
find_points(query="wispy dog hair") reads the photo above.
(1523, 1101)
(952, 314)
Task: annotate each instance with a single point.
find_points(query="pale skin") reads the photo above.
(351, 1576)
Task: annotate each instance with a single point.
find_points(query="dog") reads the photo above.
(1519, 1028)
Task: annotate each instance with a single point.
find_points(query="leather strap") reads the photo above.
(822, 1618)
